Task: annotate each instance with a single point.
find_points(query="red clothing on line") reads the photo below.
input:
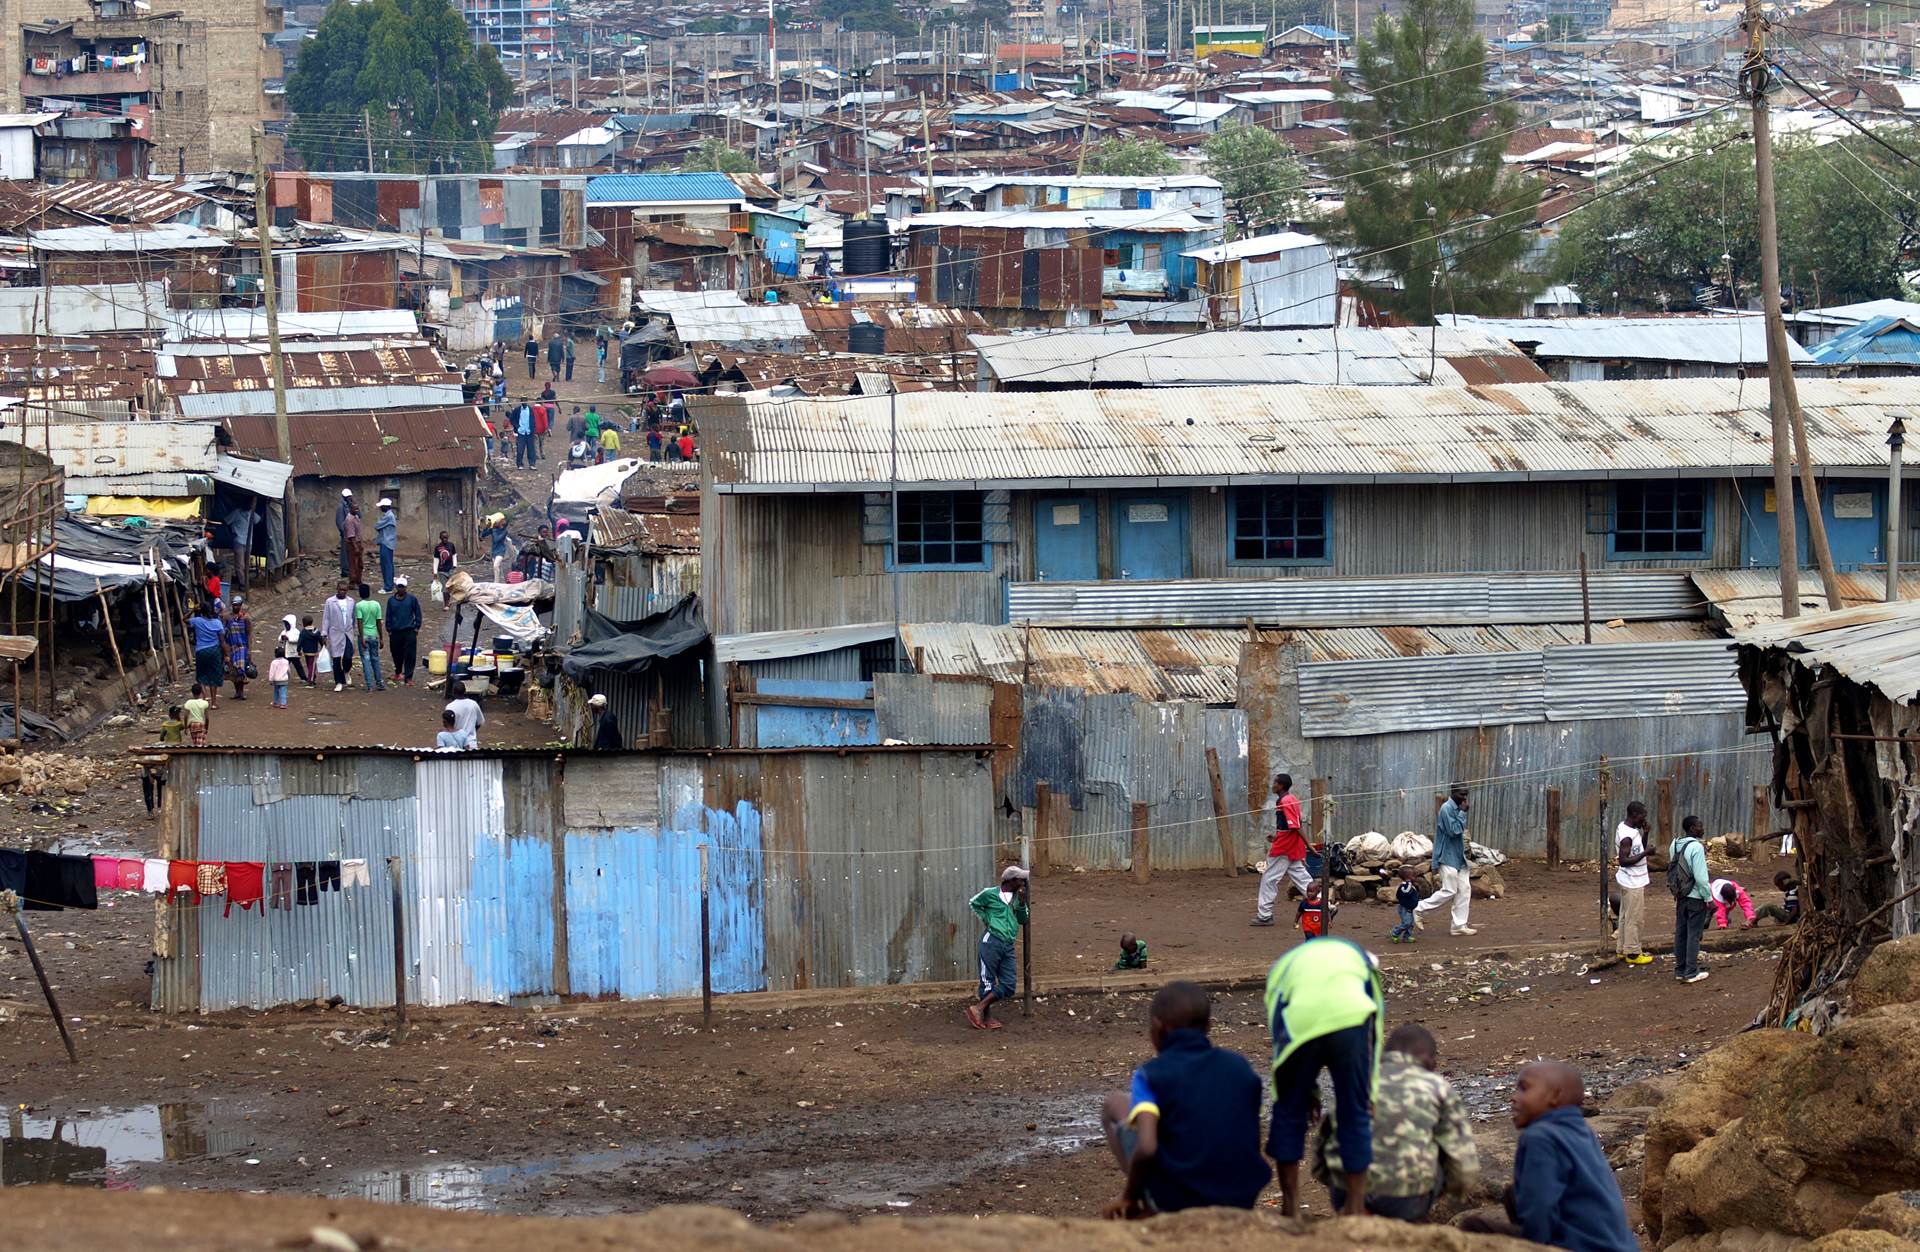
(183, 876)
(133, 874)
(106, 873)
(246, 886)
(1287, 840)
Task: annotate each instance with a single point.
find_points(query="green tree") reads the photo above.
(1130, 158)
(1259, 175)
(714, 154)
(1429, 202)
(429, 96)
(1681, 217)
(874, 15)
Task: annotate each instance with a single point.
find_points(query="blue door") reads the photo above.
(1066, 542)
(1150, 536)
(1851, 507)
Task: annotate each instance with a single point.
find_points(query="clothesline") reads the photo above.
(48, 881)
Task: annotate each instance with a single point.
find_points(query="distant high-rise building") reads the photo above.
(520, 30)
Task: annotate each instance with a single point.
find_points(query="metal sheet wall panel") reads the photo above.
(918, 708)
(1466, 599)
(783, 726)
(461, 950)
(1387, 783)
(1051, 720)
(1642, 679)
(1421, 693)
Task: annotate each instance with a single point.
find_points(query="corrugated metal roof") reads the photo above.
(1154, 664)
(321, 399)
(1473, 599)
(723, 317)
(93, 310)
(1256, 245)
(119, 449)
(363, 444)
(1421, 693)
(1394, 356)
(124, 199)
(625, 189)
(140, 238)
(1291, 434)
(1709, 339)
(1139, 221)
(1744, 598)
(1875, 644)
(252, 324)
(1642, 680)
(772, 644)
(262, 478)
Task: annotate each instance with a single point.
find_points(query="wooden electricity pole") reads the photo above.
(282, 438)
(1783, 397)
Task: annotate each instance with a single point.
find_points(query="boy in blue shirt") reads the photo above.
(1187, 1134)
(1563, 1193)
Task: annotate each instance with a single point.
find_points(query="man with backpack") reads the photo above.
(1687, 883)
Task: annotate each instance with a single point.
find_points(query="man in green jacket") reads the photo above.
(1326, 1008)
(1004, 910)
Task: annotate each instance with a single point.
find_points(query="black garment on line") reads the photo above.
(304, 891)
(60, 882)
(13, 871)
(329, 875)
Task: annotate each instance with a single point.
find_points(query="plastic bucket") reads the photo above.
(437, 661)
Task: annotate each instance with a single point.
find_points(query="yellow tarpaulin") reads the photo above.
(187, 509)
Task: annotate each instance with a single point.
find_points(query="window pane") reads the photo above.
(969, 553)
(1313, 549)
(942, 528)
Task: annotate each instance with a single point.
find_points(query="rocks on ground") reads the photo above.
(43, 774)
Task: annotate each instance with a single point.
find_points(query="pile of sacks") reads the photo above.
(1376, 859)
(49, 774)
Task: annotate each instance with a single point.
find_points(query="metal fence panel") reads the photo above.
(462, 950)
(1421, 693)
(918, 708)
(1642, 680)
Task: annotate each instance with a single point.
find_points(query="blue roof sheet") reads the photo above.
(1876, 341)
(629, 188)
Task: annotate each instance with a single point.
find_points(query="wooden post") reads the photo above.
(1026, 932)
(1553, 828)
(399, 953)
(40, 972)
(1222, 824)
(1042, 829)
(106, 619)
(1586, 604)
(1759, 824)
(1142, 848)
(1663, 808)
(1606, 858)
(1317, 816)
(706, 947)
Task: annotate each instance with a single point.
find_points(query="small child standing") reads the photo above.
(1133, 953)
(195, 713)
(174, 729)
(309, 649)
(1314, 910)
(1406, 898)
(279, 673)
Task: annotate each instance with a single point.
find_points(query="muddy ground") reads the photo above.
(863, 1108)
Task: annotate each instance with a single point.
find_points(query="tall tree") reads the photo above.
(1130, 157)
(1259, 175)
(1429, 202)
(429, 96)
(714, 154)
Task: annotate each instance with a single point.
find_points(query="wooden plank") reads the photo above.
(1142, 846)
(1553, 828)
(1222, 823)
(800, 702)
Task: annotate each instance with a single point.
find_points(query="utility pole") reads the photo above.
(1896, 440)
(1754, 75)
(366, 128)
(263, 224)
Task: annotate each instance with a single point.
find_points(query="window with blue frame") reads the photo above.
(1664, 518)
(942, 530)
(1280, 524)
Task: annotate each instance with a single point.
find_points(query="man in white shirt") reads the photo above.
(467, 716)
(1631, 837)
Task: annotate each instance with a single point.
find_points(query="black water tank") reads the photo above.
(864, 247)
(867, 337)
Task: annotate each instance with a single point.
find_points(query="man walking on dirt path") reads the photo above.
(1692, 899)
(1004, 909)
(403, 629)
(336, 622)
(340, 524)
(1326, 1008)
(1632, 880)
(1286, 855)
(1450, 863)
(533, 356)
(556, 353)
(356, 553)
(386, 530)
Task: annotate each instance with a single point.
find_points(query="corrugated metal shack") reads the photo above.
(535, 874)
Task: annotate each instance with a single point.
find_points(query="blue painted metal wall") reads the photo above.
(633, 906)
(782, 727)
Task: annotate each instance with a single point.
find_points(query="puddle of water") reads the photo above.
(108, 1146)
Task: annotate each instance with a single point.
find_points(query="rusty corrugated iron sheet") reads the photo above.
(363, 444)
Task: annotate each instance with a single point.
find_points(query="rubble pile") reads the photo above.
(41, 774)
(1784, 1134)
(1375, 861)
